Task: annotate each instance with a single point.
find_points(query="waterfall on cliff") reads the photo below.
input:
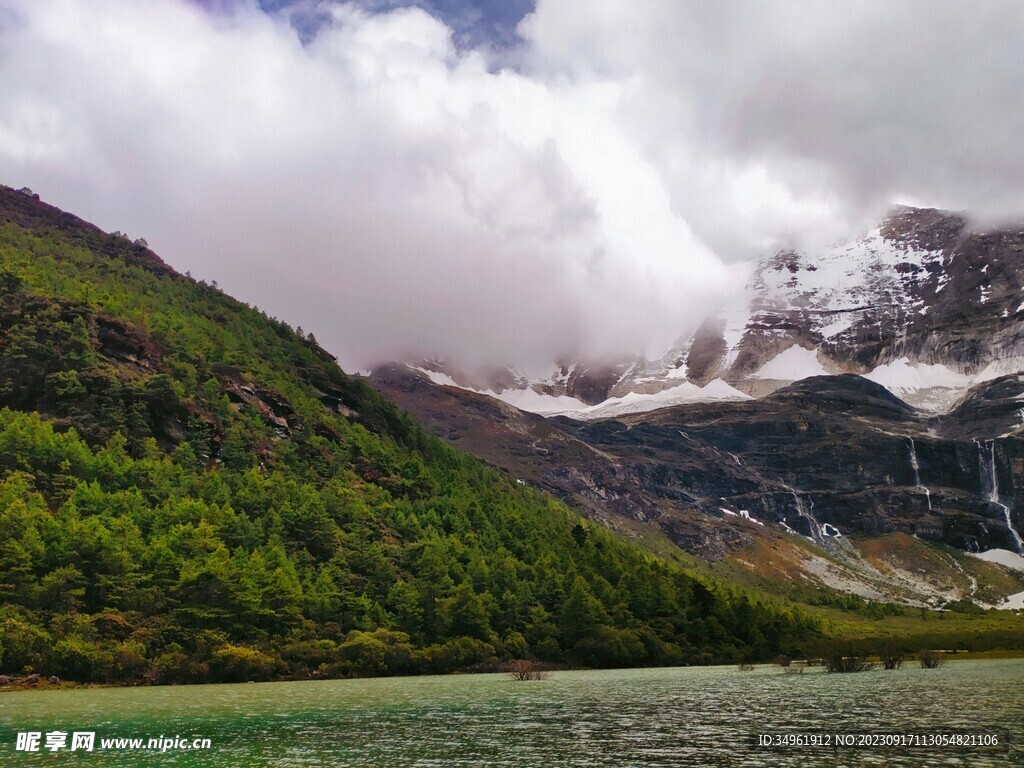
(990, 486)
(917, 474)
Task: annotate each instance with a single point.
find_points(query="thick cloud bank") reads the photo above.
(794, 118)
(398, 194)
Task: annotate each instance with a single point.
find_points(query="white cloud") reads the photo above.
(397, 195)
(376, 185)
(798, 119)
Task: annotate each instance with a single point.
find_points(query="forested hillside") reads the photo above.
(191, 490)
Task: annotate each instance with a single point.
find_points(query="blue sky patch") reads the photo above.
(480, 23)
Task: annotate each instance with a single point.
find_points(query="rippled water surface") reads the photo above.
(653, 717)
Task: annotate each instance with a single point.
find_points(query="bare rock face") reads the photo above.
(707, 351)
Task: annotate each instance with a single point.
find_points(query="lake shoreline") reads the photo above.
(19, 685)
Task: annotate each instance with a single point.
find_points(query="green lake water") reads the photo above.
(651, 717)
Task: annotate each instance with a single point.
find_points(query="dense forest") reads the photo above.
(191, 490)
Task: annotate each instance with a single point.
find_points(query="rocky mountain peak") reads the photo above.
(925, 304)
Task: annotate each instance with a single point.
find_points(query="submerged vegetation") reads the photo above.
(838, 661)
(192, 491)
(523, 670)
(930, 660)
(892, 659)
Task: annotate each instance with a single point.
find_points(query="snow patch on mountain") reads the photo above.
(998, 368)
(533, 401)
(792, 365)
(901, 377)
(835, 284)
(635, 402)
(678, 372)
(436, 376)
(539, 403)
(1012, 602)
(745, 514)
(523, 399)
(1008, 559)
(1002, 557)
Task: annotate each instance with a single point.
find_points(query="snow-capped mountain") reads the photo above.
(573, 390)
(925, 305)
(923, 448)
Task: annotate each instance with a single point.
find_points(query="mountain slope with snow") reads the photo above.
(754, 415)
(925, 305)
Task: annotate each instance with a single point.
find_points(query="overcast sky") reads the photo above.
(498, 182)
